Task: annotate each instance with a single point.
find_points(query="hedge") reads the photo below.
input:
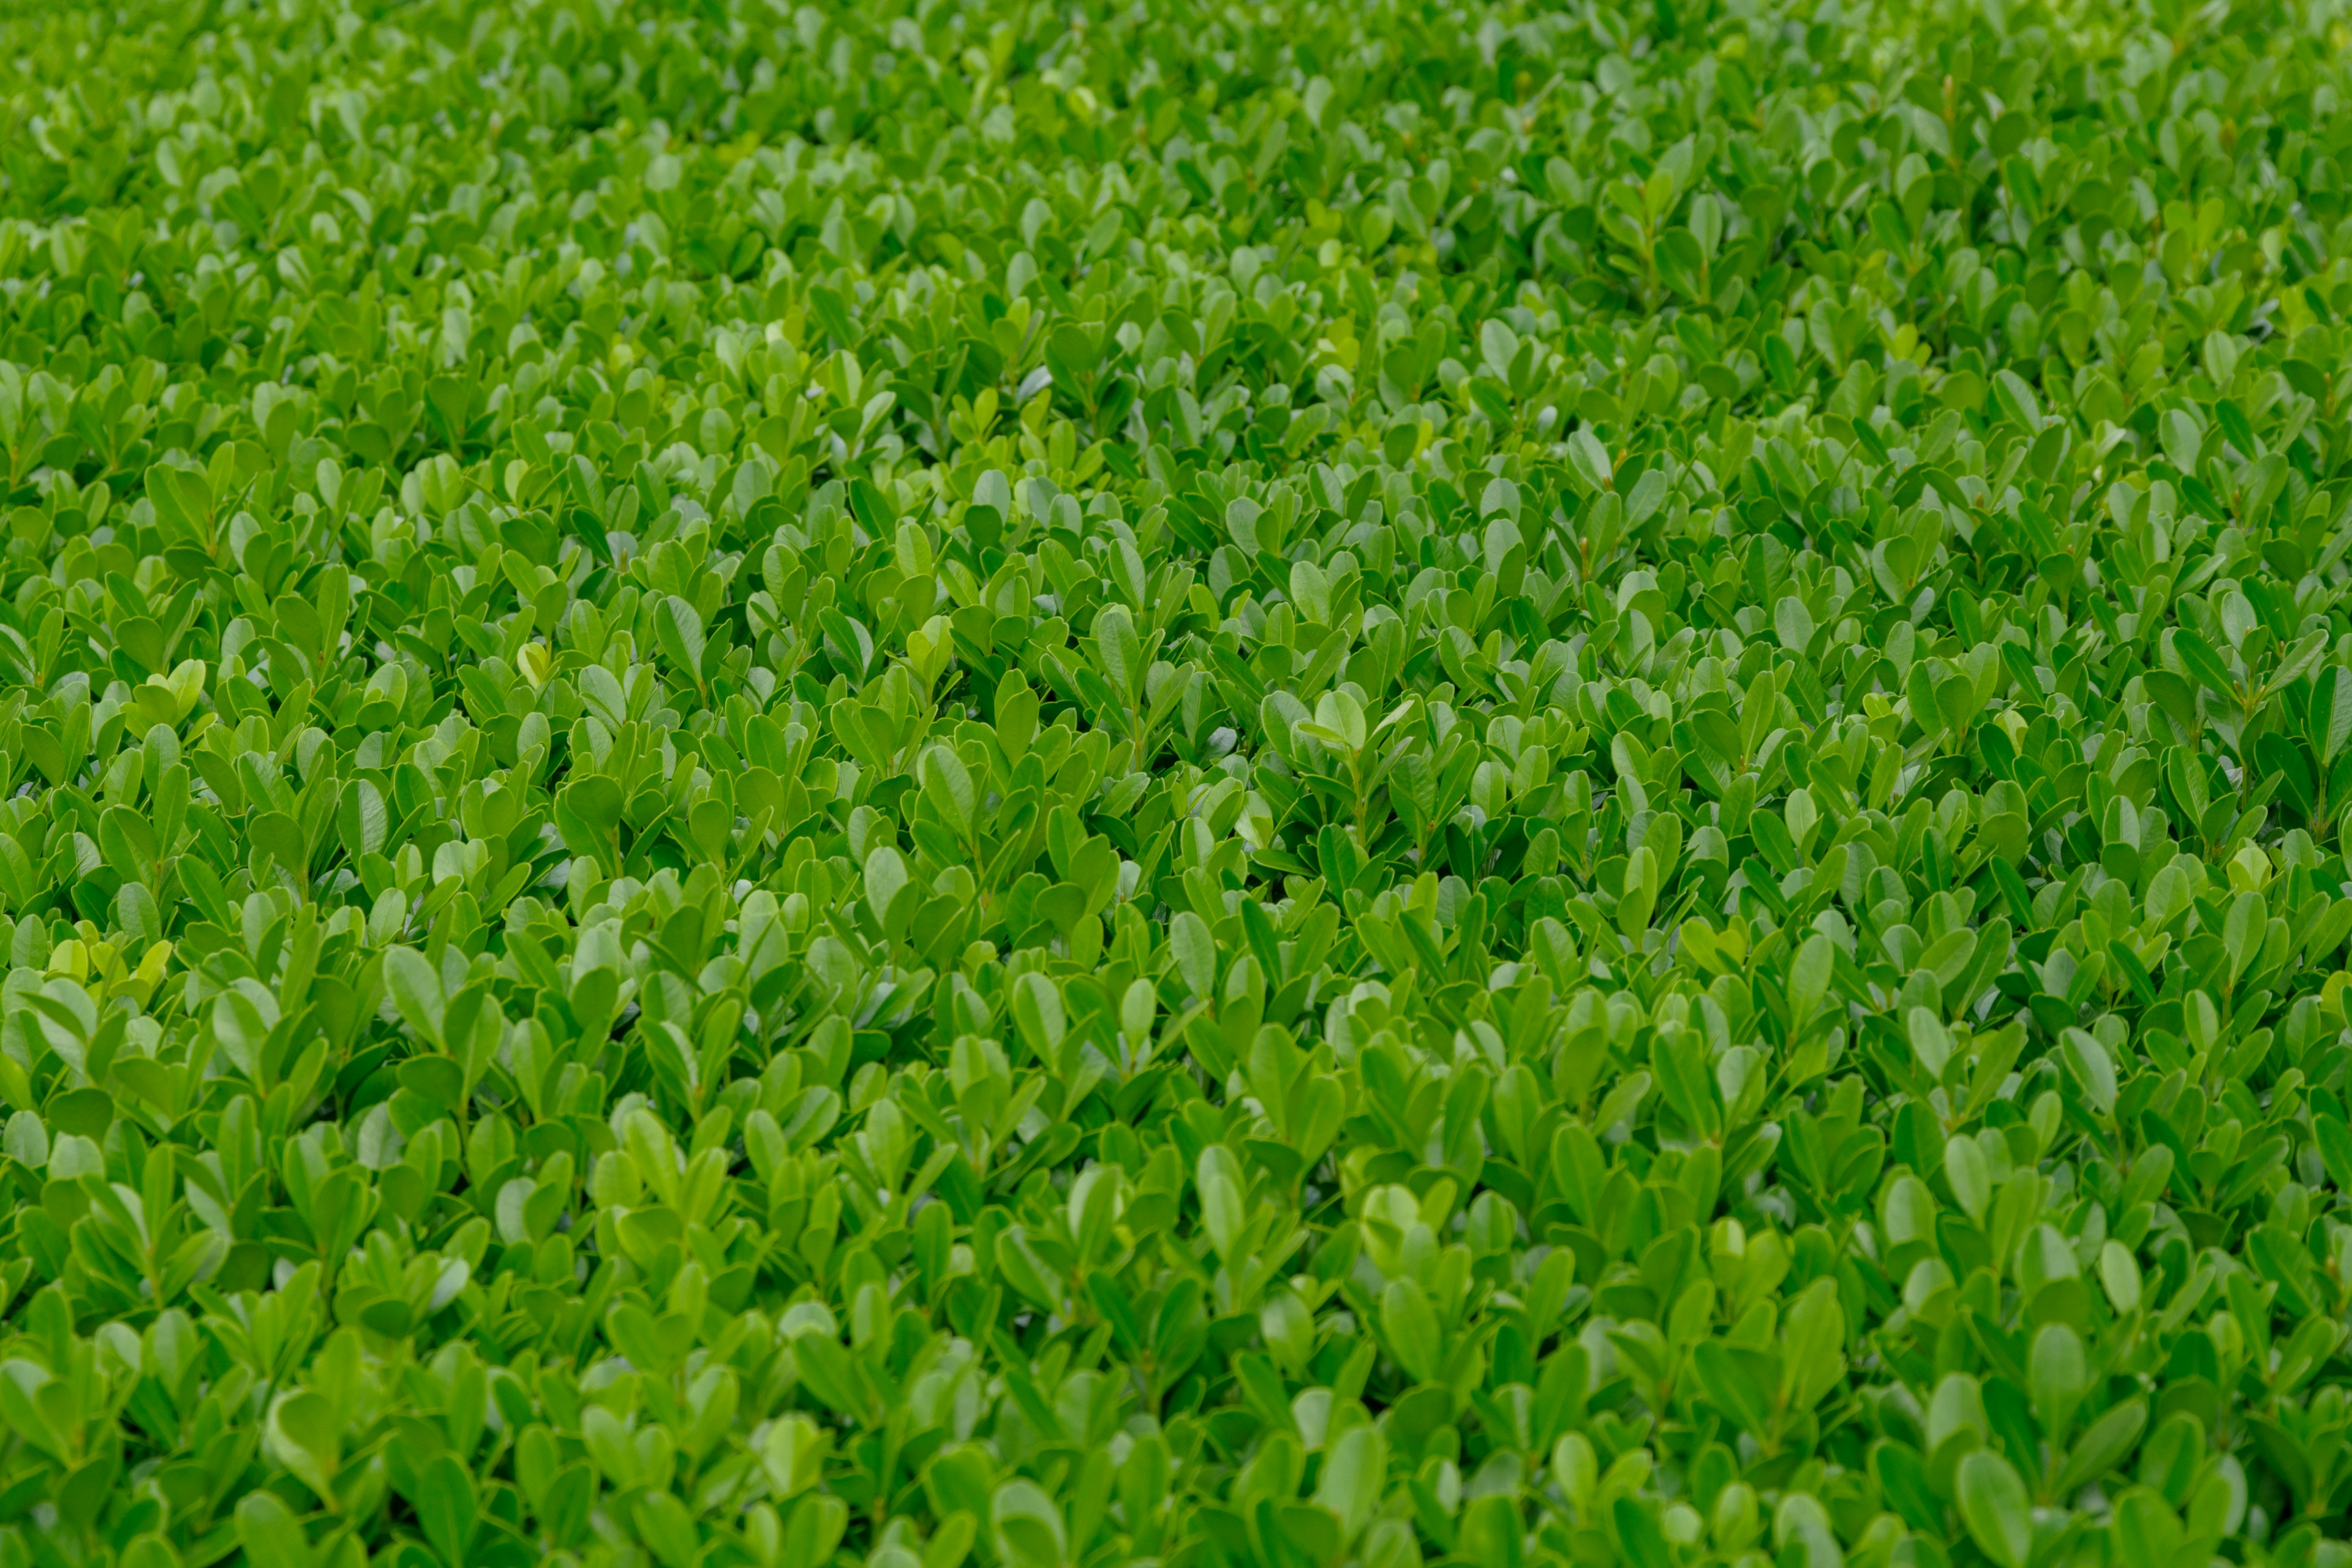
(1236, 786)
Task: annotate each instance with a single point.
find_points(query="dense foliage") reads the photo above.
(1253, 785)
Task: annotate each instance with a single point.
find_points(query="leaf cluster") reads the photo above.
(956, 782)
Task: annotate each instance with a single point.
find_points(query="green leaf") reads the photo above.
(947, 783)
(1409, 1325)
(1196, 952)
(1813, 1359)
(2329, 723)
(679, 629)
(2181, 438)
(415, 990)
(1793, 623)
(1809, 977)
(1121, 652)
(1994, 1506)
(1931, 1044)
(2091, 1069)
(2015, 397)
(1354, 1479)
(304, 1433)
(1589, 461)
(1222, 1187)
(447, 1507)
(361, 819)
(2197, 655)
(272, 1537)
(1029, 1529)
(2103, 1445)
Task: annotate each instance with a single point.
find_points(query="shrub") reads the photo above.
(1243, 787)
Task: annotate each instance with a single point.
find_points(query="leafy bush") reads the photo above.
(1261, 786)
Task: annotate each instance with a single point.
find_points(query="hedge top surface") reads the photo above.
(1256, 786)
